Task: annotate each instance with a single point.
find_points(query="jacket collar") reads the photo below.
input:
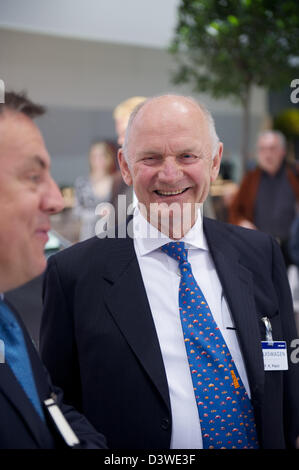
(15, 394)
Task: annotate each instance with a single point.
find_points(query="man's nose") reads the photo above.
(170, 170)
(53, 201)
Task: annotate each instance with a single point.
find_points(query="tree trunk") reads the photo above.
(245, 130)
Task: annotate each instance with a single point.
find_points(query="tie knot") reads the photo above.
(177, 251)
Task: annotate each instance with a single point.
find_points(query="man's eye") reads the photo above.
(35, 178)
(150, 159)
(188, 156)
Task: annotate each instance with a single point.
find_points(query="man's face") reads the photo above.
(170, 154)
(28, 196)
(270, 153)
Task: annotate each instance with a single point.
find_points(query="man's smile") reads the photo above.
(160, 192)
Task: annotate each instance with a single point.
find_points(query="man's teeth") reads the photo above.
(170, 193)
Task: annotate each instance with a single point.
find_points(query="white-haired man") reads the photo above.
(158, 338)
(267, 197)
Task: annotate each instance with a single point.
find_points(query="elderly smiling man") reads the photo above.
(158, 339)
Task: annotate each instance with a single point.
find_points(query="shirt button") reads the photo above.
(165, 423)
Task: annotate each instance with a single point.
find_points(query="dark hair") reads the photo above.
(109, 154)
(19, 103)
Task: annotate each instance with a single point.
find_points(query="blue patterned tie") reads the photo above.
(224, 408)
(16, 355)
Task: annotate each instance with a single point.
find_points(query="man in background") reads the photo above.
(28, 197)
(267, 197)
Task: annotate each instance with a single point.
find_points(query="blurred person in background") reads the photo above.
(28, 197)
(267, 197)
(102, 185)
(294, 242)
(294, 270)
(121, 115)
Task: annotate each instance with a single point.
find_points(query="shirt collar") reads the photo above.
(148, 238)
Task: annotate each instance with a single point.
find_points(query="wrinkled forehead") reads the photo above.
(169, 118)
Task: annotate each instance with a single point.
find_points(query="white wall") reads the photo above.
(136, 22)
(81, 75)
(76, 73)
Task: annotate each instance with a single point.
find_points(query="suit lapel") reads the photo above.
(237, 284)
(19, 400)
(127, 302)
(16, 395)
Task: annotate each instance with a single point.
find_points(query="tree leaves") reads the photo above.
(237, 43)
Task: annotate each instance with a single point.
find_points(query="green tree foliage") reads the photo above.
(225, 46)
(288, 123)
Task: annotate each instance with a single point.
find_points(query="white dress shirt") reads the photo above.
(161, 279)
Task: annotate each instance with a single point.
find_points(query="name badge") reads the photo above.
(275, 355)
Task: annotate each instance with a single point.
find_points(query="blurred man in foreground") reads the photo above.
(267, 196)
(28, 196)
(157, 336)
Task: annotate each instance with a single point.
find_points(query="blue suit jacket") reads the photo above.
(20, 425)
(99, 341)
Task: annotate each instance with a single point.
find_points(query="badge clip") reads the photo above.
(60, 422)
(267, 323)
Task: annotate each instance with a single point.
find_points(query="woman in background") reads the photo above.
(103, 185)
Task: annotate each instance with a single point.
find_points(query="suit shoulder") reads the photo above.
(238, 235)
(255, 250)
(80, 253)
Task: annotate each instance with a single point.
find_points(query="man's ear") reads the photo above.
(216, 162)
(124, 168)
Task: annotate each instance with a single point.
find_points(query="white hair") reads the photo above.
(278, 134)
(205, 111)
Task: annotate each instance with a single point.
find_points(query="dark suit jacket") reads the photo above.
(99, 340)
(21, 426)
